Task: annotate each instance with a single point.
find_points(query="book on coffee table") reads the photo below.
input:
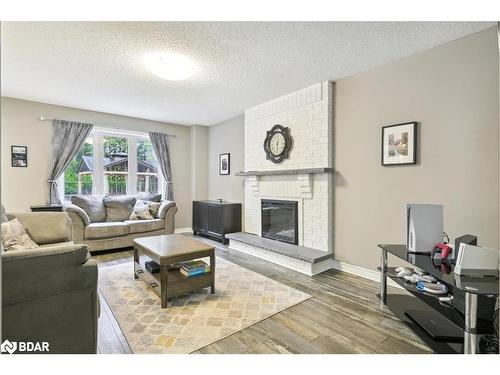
(194, 267)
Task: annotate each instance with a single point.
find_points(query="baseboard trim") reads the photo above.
(362, 272)
(183, 230)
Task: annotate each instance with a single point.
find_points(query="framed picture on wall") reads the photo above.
(19, 156)
(399, 144)
(224, 164)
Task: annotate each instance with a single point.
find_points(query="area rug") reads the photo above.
(242, 298)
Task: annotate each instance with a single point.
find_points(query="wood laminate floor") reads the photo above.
(343, 316)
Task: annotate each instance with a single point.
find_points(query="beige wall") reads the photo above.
(498, 53)
(23, 187)
(226, 137)
(199, 162)
(452, 91)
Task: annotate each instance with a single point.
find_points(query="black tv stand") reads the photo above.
(215, 220)
(472, 327)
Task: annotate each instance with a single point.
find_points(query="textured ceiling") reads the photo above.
(99, 65)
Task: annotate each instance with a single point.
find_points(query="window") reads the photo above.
(78, 177)
(115, 165)
(147, 167)
(111, 162)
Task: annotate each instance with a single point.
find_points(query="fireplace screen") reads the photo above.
(279, 220)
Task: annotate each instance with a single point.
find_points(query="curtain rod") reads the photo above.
(43, 118)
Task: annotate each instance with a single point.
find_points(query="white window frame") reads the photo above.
(97, 135)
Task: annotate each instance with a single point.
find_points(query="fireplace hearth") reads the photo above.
(280, 220)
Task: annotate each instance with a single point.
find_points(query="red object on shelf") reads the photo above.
(443, 249)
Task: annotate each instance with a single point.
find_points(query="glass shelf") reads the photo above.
(443, 271)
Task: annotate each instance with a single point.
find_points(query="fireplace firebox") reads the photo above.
(280, 220)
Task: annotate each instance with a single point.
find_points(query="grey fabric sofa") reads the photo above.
(106, 235)
(50, 293)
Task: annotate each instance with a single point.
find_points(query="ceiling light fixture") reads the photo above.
(170, 66)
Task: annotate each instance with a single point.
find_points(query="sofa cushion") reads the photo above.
(58, 246)
(119, 208)
(93, 205)
(152, 197)
(141, 226)
(46, 227)
(96, 231)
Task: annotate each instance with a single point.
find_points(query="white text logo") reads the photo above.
(24, 346)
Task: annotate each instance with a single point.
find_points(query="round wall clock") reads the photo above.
(277, 144)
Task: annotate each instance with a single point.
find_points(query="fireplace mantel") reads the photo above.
(286, 172)
(303, 176)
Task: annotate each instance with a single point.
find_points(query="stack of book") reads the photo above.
(194, 267)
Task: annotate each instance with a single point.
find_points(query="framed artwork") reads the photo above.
(224, 164)
(19, 156)
(399, 144)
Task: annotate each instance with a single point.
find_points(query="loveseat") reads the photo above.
(104, 222)
(49, 293)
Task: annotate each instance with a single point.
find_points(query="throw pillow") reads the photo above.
(142, 213)
(119, 208)
(14, 236)
(153, 207)
(93, 205)
(144, 210)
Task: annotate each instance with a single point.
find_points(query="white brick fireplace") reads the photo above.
(314, 207)
(306, 175)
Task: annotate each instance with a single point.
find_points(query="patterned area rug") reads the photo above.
(242, 298)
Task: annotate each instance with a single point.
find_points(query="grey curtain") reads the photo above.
(67, 138)
(160, 146)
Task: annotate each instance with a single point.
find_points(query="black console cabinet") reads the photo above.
(215, 220)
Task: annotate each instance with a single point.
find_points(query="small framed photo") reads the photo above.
(19, 156)
(399, 144)
(224, 164)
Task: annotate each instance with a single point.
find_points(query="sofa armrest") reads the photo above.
(46, 227)
(164, 207)
(91, 264)
(43, 272)
(51, 257)
(71, 208)
(170, 220)
(78, 222)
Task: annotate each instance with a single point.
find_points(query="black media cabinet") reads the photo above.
(215, 220)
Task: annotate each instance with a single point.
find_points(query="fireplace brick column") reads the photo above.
(308, 113)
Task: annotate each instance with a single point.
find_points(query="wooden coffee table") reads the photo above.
(171, 249)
